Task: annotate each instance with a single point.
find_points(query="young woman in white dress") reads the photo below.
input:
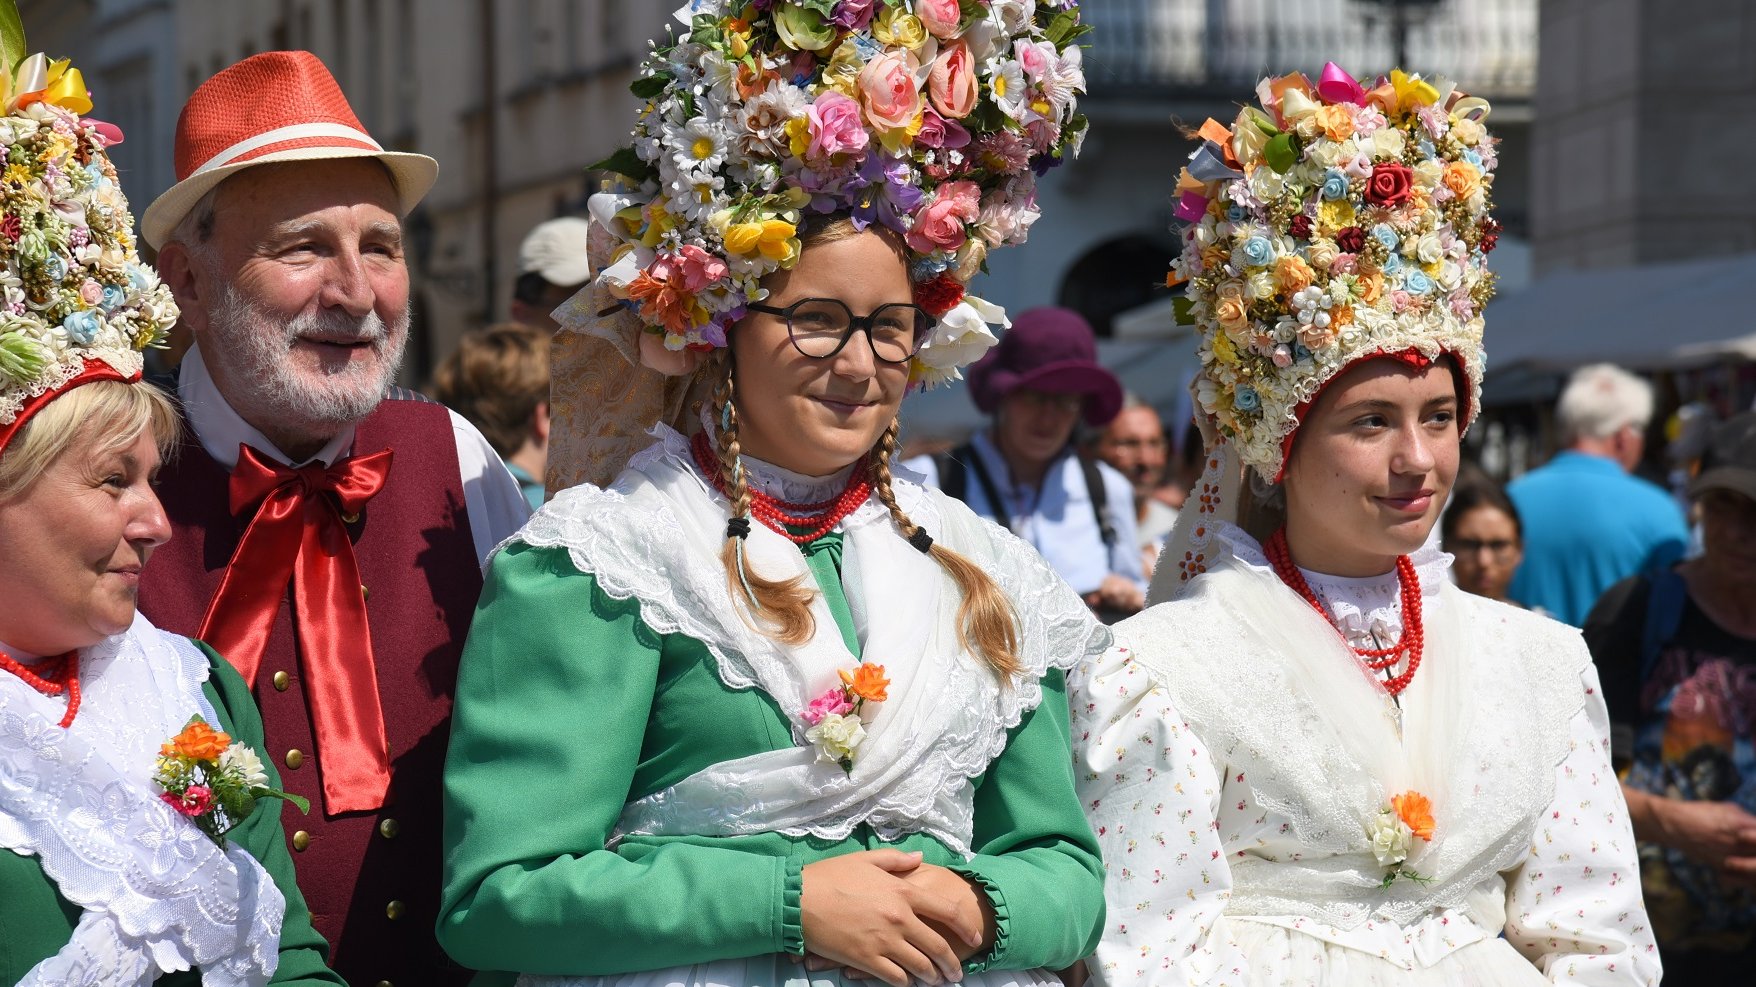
(1315, 761)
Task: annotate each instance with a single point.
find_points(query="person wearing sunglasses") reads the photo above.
(763, 709)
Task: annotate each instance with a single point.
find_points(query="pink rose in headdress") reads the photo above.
(835, 127)
(195, 801)
(939, 17)
(888, 93)
(699, 268)
(939, 226)
(952, 82)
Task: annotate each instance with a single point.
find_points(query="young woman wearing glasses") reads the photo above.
(764, 711)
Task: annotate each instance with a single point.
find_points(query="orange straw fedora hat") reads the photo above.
(276, 106)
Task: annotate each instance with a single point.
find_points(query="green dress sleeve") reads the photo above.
(303, 952)
(534, 786)
(1036, 855)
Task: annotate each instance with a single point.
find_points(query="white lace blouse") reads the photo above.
(1225, 809)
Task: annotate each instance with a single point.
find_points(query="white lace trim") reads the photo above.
(14, 396)
(655, 537)
(158, 895)
(1260, 678)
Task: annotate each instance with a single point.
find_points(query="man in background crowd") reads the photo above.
(1134, 443)
(1588, 522)
(498, 378)
(551, 267)
(1024, 472)
(1676, 651)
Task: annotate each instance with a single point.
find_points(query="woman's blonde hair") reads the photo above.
(108, 415)
(781, 608)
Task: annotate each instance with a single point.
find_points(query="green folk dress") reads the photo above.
(38, 921)
(584, 714)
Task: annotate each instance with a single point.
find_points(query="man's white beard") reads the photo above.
(255, 347)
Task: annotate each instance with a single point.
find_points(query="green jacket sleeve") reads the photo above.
(553, 695)
(1035, 853)
(303, 953)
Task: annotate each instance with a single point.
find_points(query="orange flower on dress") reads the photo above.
(866, 682)
(1416, 812)
(198, 742)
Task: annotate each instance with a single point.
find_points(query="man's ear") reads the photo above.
(539, 424)
(188, 283)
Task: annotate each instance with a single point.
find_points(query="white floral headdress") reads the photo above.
(930, 117)
(1331, 223)
(75, 301)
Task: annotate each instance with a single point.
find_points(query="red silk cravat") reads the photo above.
(298, 534)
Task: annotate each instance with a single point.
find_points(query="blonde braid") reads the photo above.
(780, 608)
(986, 622)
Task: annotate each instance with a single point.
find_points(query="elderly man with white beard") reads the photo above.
(329, 528)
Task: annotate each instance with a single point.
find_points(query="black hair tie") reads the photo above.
(921, 540)
(738, 527)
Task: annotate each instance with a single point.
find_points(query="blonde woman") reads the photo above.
(764, 710)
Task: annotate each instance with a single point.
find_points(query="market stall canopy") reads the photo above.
(1648, 317)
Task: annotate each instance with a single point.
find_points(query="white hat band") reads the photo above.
(294, 132)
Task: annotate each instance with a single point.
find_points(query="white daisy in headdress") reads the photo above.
(1008, 87)
(697, 147)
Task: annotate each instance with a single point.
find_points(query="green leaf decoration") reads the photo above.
(20, 358)
(824, 7)
(1064, 27)
(626, 163)
(300, 802)
(1280, 153)
(1180, 307)
(11, 34)
(649, 86)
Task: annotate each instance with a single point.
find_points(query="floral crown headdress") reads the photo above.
(932, 118)
(1331, 222)
(76, 304)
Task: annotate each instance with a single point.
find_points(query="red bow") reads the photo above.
(299, 533)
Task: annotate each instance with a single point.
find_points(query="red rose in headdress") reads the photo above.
(1390, 185)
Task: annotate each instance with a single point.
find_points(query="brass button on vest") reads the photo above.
(281, 681)
(394, 910)
(365, 592)
(385, 983)
(389, 828)
(301, 840)
(295, 758)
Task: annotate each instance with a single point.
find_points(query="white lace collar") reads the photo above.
(158, 895)
(656, 536)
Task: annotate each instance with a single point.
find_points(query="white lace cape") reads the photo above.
(157, 894)
(655, 536)
(1277, 697)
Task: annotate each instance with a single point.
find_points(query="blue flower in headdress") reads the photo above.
(1387, 236)
(1417, 282)
(1246, 398)
(82, 327)
(113, 298)
(1334, 184)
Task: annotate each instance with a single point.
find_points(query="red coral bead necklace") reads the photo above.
(1410, 643)
(54, 677)
(781, 516)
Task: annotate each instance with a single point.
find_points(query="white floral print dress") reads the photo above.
(1233, 755)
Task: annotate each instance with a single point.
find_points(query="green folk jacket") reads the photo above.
(36, 922)
(569, 706)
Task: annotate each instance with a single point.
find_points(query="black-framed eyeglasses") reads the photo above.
(820, 327)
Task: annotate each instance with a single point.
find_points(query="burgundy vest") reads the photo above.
(371, 878)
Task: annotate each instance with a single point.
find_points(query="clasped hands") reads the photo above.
(885, 914)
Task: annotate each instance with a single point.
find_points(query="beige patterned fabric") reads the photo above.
(603, 401)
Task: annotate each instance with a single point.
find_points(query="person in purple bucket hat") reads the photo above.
(1024, 472)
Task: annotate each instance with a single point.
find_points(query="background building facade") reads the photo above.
(515, 98)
